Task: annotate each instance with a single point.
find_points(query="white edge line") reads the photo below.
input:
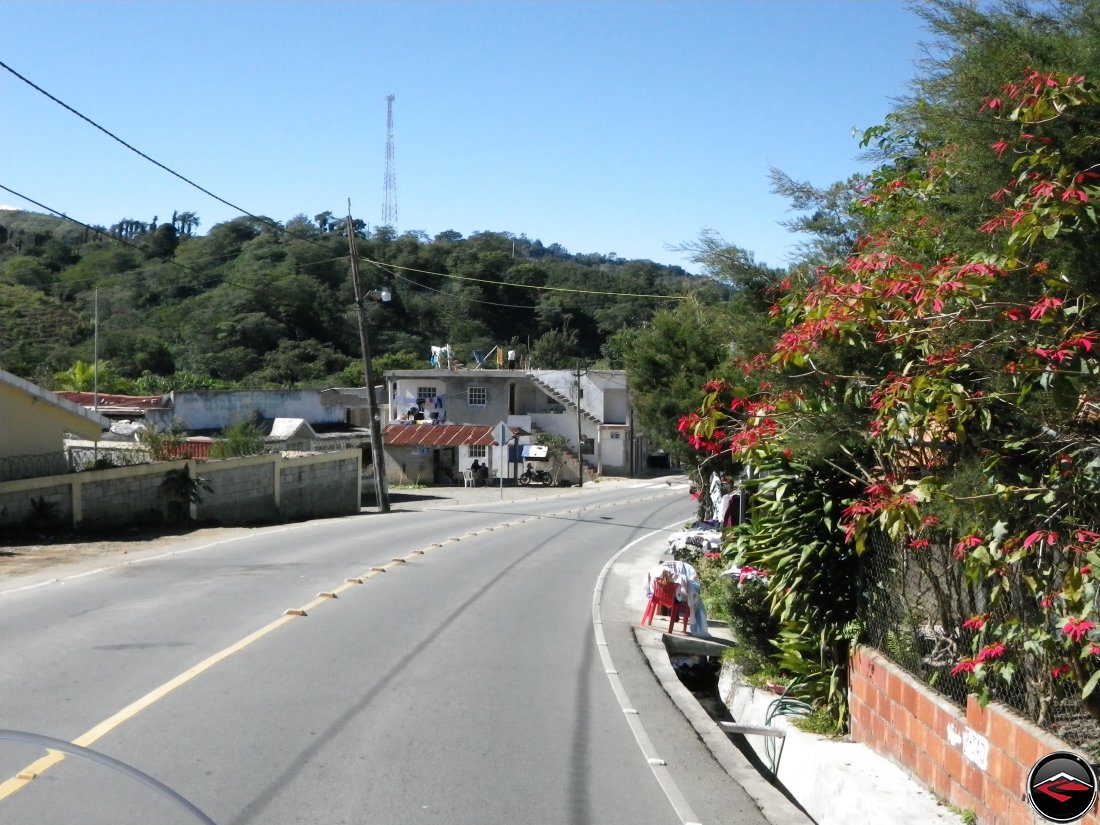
(659, 767)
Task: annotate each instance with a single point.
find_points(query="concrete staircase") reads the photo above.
(564, 400)
(569, 457)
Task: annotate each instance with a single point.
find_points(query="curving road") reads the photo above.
(460, 684)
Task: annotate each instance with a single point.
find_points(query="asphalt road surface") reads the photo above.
(460, 684)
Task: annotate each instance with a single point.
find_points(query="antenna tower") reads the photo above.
(389, 186)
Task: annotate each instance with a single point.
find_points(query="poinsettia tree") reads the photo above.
(952, 361)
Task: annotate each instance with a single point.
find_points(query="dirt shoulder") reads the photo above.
(33, 554)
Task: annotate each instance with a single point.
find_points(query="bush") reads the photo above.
(240, 439)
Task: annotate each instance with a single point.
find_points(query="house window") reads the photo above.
(615, 434)
(424, 395)
(477, 396)
(477, 452)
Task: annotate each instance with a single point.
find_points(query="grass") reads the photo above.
(819, 721)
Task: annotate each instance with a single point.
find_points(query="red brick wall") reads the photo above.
(977, 759)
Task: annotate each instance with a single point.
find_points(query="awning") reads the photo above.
(438, 435)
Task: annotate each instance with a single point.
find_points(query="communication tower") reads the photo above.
(389, 186)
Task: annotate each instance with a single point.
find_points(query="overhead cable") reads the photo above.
(115, 137)
(206, 278)
(280, 228)
(527, 286)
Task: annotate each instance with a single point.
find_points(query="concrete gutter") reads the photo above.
(840, 782)
(777, 808)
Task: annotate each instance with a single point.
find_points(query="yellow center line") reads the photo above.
(87, 739)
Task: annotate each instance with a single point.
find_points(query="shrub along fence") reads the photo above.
(914, 604)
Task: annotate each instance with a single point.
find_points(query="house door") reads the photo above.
(443, 466)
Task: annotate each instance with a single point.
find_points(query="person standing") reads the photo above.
(511, 359)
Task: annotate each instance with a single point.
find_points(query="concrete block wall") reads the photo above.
(247, 490)
(976, 758)
(244, 490)
(310, 489)
(120, 495)
(16, 496)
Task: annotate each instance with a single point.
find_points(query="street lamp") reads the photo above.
(383, 295)
(378, 457)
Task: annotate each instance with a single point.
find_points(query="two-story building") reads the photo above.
(592, 409)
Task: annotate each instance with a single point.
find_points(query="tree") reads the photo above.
(668, 361)
(185, 223)
(555, 452)
(181, 491)
(83, 377)
(555, 350)
(162, 242)
(240, 439)
(28, 271)
(324, 222)
(952, 360)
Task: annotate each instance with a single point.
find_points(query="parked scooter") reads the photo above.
(533, 476)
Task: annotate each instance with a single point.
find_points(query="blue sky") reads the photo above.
(623, 127)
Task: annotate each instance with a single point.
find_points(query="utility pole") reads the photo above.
(95, 357)
(378, 457)
(580, 433)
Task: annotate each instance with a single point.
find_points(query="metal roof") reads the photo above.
(438, 435)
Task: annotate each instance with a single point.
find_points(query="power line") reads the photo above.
(116, 138)
(184, 267)
(529, 286)
(280, 228)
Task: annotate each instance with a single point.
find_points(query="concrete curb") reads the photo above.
(776, 808)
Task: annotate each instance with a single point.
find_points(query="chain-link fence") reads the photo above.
(103, 457)
(913, 605)
(15, 467)
(72, 460)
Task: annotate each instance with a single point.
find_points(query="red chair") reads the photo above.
(664, 595)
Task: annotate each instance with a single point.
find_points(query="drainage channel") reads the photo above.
(697, 664)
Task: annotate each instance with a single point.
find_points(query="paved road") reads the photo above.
(463, 685)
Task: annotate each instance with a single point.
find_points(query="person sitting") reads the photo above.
(483, 474)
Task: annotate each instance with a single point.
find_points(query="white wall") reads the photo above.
(217, 410)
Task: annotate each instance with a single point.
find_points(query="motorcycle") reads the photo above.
(534, 476)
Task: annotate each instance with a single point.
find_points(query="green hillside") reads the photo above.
(256, 303)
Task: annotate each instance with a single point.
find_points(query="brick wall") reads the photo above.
(976, 758)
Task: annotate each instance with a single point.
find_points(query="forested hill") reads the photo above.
(255, 303)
